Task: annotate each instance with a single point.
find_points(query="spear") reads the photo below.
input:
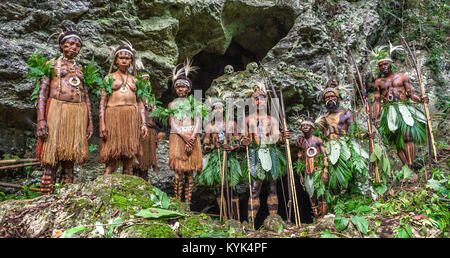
(20, 165)
(19, 186)
(431, 144)
(292, 190)
(9, 161)
(367, 110)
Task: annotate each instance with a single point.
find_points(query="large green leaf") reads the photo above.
(69, 232)
(335, 151)
(407, 118)
(153, 213)
(361, 223)
(392, 118)
(327, 234)
(340, 223)
(345, 150)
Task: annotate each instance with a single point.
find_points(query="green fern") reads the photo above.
(38, 68)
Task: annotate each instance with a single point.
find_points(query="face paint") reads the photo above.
(71, 47)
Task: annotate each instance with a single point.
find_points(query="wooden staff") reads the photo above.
(431, 144)
(221, 205)
(19, 186)
(20, 165)
(291, 184)
(250, 186)
(288, 207)
(367, 110)
(227, 187)
(9, 161)
(290, 168)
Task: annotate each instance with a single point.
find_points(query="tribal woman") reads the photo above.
(64, 117)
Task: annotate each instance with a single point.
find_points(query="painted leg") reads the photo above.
(110, 167)
(178, 184)
(189, 187)
(67, 172)
(48, 180)
(256, 189)
(127, 166)
(235, 205)
(272, 199)
(323, 205)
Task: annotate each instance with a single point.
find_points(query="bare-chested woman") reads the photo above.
(64, 117)
(122, 116)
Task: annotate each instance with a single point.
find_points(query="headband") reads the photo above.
(70, 36)
(183, 81)
(123, 50)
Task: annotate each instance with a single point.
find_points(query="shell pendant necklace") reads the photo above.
(123, 87)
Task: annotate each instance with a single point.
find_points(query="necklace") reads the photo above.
(309, 149)
(123, 87)
(74, 80)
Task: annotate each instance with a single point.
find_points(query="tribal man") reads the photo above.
(64, 117)
(267, 162)
(347, 158)
(314, 160)
(185, 149)
(148, 144)
(122, 115)
(400, 123)
(221, 136)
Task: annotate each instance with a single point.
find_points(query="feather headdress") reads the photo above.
(384, 52)
(182, 75)
(305, 119)
(332, 87)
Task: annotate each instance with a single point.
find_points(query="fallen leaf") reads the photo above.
(420, 216)
(56, 233)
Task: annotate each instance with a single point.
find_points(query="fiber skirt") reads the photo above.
(179, 160)
(67, 124)
(122, 141)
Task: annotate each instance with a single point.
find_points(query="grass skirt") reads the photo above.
(67, 124)
(179, 160)
(148, 147)
(122, 124)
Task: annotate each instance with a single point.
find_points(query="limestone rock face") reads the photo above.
(293, 40)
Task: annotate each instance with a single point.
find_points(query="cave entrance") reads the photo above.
(212, 65)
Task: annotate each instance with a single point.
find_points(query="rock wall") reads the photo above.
(292, 39)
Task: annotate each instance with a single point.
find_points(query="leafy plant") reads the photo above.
(187, 107)
(38, 68)
(361, 223)
(92, 147)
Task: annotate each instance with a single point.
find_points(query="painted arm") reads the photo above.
(411, 93)
(376, 102)
(90, 128)
(102, 126)
(144, 129)
(44, 89)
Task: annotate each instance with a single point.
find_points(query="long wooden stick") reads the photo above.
(9, 161)
(250, 186)
(19, 186)
(221, 187)
(367, 110)
(425, 105)
(20, 165)
(290, 168)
